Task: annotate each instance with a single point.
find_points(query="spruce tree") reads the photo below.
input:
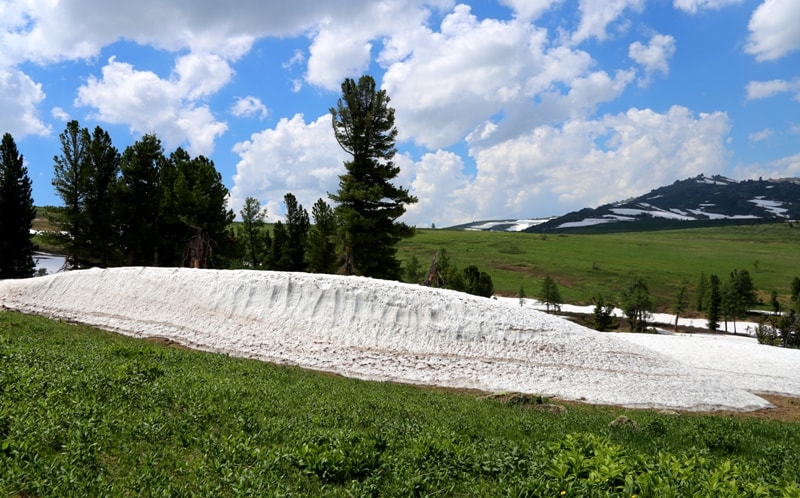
(297, 225)
(279, 254)
(16, 213)
(103, 169)
(637, 304)
(714, 304)
(368, 203)
(550, 294)
(139, 195)
(681, 303)
(194, 211)
(70, 180)
(256, 238)
(320, 246)
(84, 177)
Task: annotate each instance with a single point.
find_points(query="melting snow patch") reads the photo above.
(773, 207)
(388, 331)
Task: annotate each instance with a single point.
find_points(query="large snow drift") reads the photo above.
(389, 331)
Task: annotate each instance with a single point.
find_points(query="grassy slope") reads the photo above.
(584, 265)
(88, 413)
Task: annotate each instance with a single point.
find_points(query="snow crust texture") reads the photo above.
(389, 331)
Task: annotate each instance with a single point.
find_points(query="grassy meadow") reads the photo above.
(90, 413)
(586, 265)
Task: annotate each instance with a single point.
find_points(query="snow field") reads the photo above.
(389, 331)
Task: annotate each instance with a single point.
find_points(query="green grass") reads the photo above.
(89, 413)
(586, 265)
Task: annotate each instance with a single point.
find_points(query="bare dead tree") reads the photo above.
(434, 277)
(199, 250)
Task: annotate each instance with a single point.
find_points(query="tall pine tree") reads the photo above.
(70, 180)
(297, 229)
(140, 191)
(84, 178)
(256, 239)
(16, 213)
(368, 203)
(103, 169)
(321, 250)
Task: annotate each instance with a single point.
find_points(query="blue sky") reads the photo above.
(505, 109)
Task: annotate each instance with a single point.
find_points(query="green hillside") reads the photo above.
(585, 265)
(90, 413)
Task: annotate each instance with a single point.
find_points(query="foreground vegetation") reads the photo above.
(585, 266)
(88, 413)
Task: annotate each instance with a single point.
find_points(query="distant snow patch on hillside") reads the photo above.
(505, 225)
(773, 207)
(652, 211)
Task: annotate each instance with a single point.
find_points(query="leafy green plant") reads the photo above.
(89, 413)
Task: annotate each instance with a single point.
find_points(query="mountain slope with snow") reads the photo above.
(389, 331)
(704, 199)
(696, 199)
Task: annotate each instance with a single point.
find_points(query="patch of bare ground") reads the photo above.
(166, 342)
(787, 409)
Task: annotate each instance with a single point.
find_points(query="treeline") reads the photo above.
(726, 301)
(782, 328)
(140, 207)
(146, 207)
(312, 244)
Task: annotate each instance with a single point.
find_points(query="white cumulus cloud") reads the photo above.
(583, 162)
(765, 89)
(19, 98)
(774, 29)
(473, 71)
(597, 15)
(168, 107)
(294, 156)
(529, 9)
(695, 6)
(653, 57)
(249, 107)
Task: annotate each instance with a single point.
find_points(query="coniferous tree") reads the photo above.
(320, 246)
(774, 303)
(195, 213)
(70, 180)
(84, 177)
(550, 294)
(279, 256)
(297, 225)
(16, 213)
(477, 282)
(681, 303)
(713, 303)
(702, 290)
(742, 294)
(521, 295)
(256, 237)
(139, 200)
(412, 270)
(603, 313)
(637, 304)
(795, 293)
(368, 203)
(103, 169)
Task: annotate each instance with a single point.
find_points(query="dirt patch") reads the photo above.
(787, 409)
(167, 342)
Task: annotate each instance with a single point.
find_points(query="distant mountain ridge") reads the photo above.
(709, 200)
